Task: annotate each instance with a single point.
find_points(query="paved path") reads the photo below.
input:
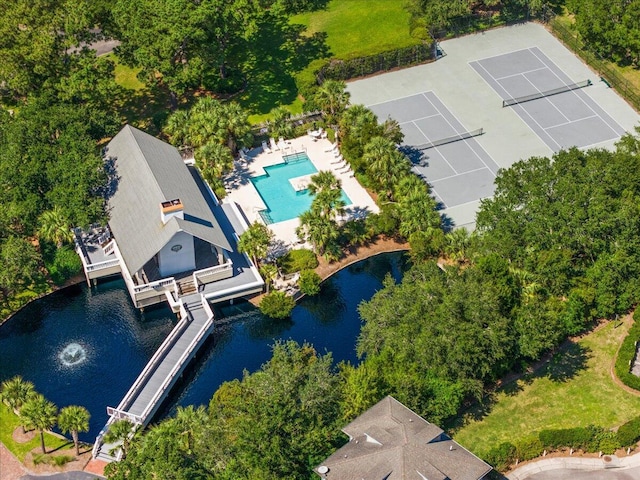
(10, 467)
(580, 468)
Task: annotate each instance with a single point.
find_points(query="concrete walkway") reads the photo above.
(609, 467)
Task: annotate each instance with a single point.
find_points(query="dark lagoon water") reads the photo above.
(87, 346)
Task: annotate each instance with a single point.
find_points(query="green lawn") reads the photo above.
(352, 28)
(360, 27)
(9, 422)
(575, 390)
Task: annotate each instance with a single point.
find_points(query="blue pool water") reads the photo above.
(282, 200)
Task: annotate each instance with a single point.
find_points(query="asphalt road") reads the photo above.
(603, 474)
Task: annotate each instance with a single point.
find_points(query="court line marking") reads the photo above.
(462, 173)
(468, 203)
(457, 132)
(436, 148)
(544, 67)
(432, 188)
(518, 105)
(421, 118)
(500, 55)
(547, 98)
(573, 121)
(398, 98)
(574, 91)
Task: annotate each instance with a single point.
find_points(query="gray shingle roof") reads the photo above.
(390, 442)
(150, 171)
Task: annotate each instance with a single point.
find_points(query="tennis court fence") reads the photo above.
(451, 139)
(547, 93)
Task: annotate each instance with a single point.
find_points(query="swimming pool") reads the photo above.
(278, 193)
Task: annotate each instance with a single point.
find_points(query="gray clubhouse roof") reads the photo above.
(149, 172)
(391, 442)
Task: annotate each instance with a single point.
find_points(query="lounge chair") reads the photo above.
(274, 145)
(265, 147)
(332, 148)
(339, 159)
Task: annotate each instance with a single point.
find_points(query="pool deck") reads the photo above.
(241, 191)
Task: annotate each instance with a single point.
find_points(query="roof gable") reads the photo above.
(149, 172)
(389, 441)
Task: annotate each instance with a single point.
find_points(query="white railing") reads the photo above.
(109, 248)
(218, 272)
(205, 305)
(176, 366)
(93, 267)
(122, 415)
(177, 330)
(165, 282)
(98, 443)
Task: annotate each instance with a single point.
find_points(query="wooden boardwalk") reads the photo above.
(153, 385)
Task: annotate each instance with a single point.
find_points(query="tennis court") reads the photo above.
(442, 150)
(553, 105)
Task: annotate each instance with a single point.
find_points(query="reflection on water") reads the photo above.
(107, 342)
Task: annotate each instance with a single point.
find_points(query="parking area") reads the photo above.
(441, 148)
(553, 105)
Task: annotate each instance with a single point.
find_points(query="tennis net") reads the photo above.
(451, 139)
(547, 93)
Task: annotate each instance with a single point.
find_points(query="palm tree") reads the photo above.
(177, 128)
(384, 163)
(457, 243)
(190, 420)
(327, 191)
(321, 231)
(74, 419)
(280, 123)
(255, 241)
(54, 227)
(332, 97)
(214, 161)
(41, 414)
(15, 392)
(120, 431)
(236, 128)
(268, 271)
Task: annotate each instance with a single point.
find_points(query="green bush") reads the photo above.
(297, 260)
(577, 438)
(381, 62)
(64, 265)
(277, 305)
(501, 457)
(629, 433)
(528, 448)
(309, 282)
(627, 353)
(40, 458)
(608, 442)
(60, 460)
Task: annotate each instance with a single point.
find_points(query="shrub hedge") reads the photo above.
(277, 305)
(627, 354)
(588, 439)
(629, 433)
(309, 282)
(358, 67)
(297, 260)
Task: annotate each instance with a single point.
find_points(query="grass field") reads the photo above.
(360, 27)
(575, 389)
(9, 422)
